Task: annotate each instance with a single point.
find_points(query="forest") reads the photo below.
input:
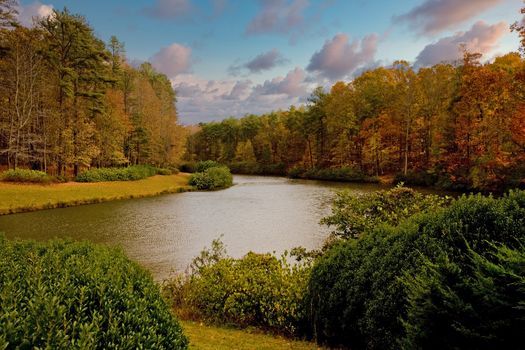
(456, 126)
(69, 101)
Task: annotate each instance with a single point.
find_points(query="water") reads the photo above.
(164, 233)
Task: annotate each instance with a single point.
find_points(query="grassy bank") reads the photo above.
(17, 198)
(204, 337)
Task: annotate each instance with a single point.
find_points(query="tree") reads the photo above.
(23, 111)
(78, 59)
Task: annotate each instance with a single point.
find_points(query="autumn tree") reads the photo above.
(78, 59)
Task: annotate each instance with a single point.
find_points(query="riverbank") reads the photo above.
(203, 337)
(18, 198)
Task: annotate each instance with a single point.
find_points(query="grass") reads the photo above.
(17, 198)
(203, 337)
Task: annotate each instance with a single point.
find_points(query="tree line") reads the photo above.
(460, 125)
(68, 100)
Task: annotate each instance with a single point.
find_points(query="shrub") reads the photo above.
(135, 172)
(343, 174)
(26, 175)
(164, 171)
(249, 168)
(256, 290)
(66, 295)
(353, 215)
(296, 172)
(205, 165)
(483, 310)
(272, 169)
(212, 179)
(359, 291)
(417, 178)
(253, 168)
(335, 174)
(188, 167)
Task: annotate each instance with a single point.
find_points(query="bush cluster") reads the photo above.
(449, 279)
(187, 167)
(407, 270)
(352, 215)
(26, 175)
(201, 167)
(256, 290)
(131, 173)
(417, 178)
(66, 295)
(253, 168)
(212, 177)
(344, 174)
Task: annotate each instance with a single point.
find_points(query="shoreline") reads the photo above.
(22, 198)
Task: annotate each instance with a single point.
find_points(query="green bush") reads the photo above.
(256, 290)
(248, 168)
(212, 179)
(253, 168)
(164, 171)
(377, 291)
(335, 174)
(187, 167)
(26, 175)
(354, 215)
(343, 174)
(202, 166)
(296, 172)
(417, 178)
(66, 295)
(483, 310)
(132, 173)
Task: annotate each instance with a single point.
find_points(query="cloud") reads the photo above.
(434, 16)
(240, 90)
(34, 11)
(278, 16)
(201, 100)
(339, 58)
(481, 38)
(262, 62)
(172, 60)
(169, 9)
(265, 61)
(292, 85)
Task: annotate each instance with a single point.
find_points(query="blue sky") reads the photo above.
(233, 57)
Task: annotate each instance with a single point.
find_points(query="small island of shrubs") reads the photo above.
(210, 175)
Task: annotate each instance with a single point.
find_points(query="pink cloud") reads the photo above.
(172, 60)
(339, 57)
(292, 85)
(434, 16)
(278, 16)
(481, 38)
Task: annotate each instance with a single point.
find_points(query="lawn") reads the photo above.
(16, 198)
(204, 337)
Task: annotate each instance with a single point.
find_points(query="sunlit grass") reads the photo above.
(203, 337)
(15, 198)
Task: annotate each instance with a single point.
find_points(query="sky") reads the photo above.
(236, 57)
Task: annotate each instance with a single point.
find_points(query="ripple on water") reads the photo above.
(164, 233)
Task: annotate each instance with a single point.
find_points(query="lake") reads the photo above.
(164, 233)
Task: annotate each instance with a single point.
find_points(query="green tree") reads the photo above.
(78, 59)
